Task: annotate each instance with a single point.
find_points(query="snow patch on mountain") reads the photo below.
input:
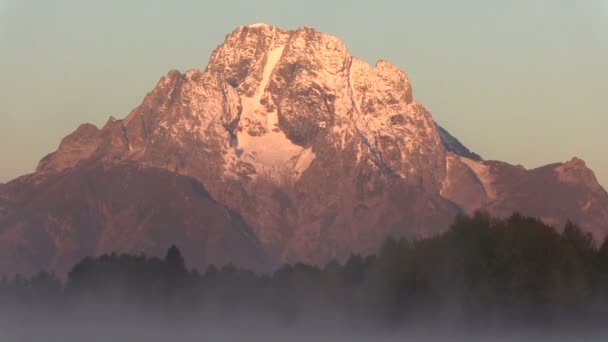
(484, 175)
(271, 150)
(267, 148)
(446, 184)
(258, 25)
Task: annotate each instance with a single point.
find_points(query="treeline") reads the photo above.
(483, 273)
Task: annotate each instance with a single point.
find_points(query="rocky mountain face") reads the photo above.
(95, 209)
(285, 148)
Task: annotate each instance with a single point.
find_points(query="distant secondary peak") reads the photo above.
(87, 127)
(575, 171)
(576, 162)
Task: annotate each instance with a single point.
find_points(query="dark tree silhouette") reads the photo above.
(483, 272)
(175, 262)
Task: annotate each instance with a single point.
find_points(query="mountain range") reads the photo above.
(285, 148)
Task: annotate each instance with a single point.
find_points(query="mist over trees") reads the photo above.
(484, 273)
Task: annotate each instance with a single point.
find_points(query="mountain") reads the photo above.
(285, 148)
(451, 144)
(96, 209)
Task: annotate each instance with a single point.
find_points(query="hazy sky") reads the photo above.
(517, 80)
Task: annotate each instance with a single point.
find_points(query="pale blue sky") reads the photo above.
(517, 80)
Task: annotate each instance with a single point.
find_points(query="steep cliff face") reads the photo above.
(319, 153)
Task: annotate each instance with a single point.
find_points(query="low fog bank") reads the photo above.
(485, 279)
(140, 327)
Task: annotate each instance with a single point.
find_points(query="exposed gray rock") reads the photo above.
(452, 144)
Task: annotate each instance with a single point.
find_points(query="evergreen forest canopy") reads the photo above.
(484, 273)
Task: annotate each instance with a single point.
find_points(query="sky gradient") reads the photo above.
(522, 81)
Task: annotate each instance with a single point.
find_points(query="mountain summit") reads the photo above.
(285, 148)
